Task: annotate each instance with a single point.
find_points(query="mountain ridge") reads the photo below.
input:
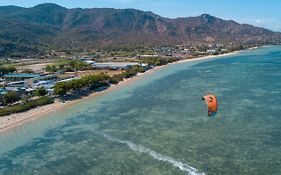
(49, 26)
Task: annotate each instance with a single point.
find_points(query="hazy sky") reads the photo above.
(265, 13)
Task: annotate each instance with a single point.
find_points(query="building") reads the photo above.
(147, 56)
(20, 77)
(224, 50)
(25, 81)
(68, 79)
(211, 51)
(90, 62)
(185, 51)
(49, 84)
(114, 65)
(43, 78)
(16, 85)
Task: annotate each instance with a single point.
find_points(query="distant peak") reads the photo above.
(48, 5)
(208, 17)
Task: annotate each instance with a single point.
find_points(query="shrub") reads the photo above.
(25, 106)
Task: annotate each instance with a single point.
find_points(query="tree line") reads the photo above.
(158, 61)
(94, 81)
(69, 66)
(40, 101)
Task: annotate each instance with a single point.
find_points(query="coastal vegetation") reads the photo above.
(15, 102)
(26, 105)
(41, 91)
(68, 66)
(95, 81)
(159, 61)
(91, 81)
(132, 71)
(10, 97)
(123, 53)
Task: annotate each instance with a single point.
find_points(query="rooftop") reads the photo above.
(23, 75)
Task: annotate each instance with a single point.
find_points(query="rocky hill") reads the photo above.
(48, 26)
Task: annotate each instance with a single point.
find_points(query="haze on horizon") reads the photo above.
(257, 12)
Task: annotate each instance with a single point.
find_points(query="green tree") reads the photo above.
(41, 91)
(61, 88)
(26, 106)
(92, 81)
(10, 97)
(50, 68)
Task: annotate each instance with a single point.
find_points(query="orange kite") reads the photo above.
(212, 104)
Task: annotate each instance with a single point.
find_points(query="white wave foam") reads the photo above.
(182, 166)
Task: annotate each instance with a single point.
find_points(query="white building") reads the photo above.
(114, 65)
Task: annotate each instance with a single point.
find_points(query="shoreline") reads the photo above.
(18, 119)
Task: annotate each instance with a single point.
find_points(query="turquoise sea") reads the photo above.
(158, 125)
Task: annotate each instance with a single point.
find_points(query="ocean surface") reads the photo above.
(158, 125)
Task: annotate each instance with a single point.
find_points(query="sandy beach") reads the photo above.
(15, 120)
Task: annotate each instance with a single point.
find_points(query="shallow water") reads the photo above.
(159, 125)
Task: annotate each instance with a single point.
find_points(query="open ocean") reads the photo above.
(158, 125)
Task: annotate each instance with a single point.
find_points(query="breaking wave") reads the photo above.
(157, 156)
